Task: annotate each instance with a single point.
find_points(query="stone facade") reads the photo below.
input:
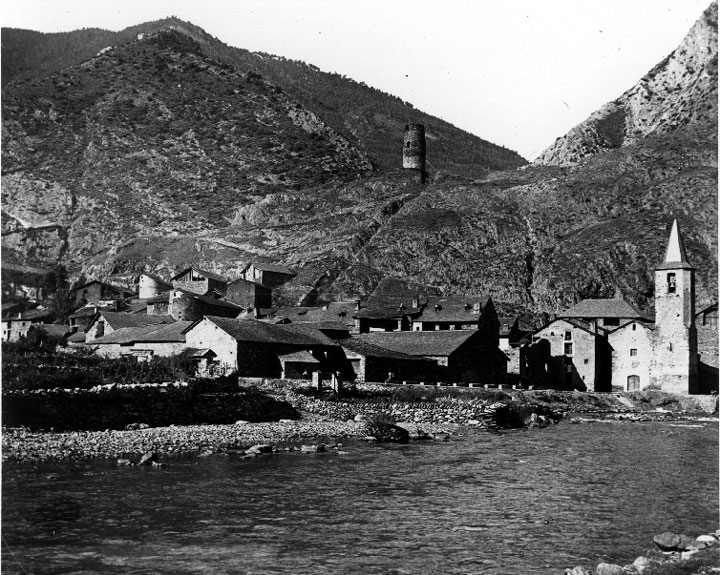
(675, 365)
(248, 294)
(567, 355)
(632, 355)
(142, 351)
(14, 329)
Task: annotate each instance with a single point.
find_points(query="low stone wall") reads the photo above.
(116, 406)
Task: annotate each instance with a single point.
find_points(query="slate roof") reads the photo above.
(204, 273)
(119, 320)
(53, 329)
(122, 290)
(419, 343)
(212, 300)
(271, 268)
(358, 345)
(301, 356)
(574, 322)
(454, 309)
(595, 308)
(172, 332)
(651, 327)
(388, 312)
(338, 311)
(77, 337)
(262, 332)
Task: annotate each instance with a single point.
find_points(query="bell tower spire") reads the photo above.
(675, 367)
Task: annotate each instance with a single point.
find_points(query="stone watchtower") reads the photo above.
(414, 150)
(675, 367)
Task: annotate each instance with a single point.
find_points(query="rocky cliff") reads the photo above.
(680, 90)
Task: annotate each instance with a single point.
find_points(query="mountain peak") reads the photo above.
(680, 90)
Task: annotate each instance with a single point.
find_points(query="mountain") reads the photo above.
(680, 90)
(367, 117)
(156, 155)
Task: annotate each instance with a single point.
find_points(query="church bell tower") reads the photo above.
(675, 354)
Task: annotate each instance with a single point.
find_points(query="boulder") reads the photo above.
(259, 448)
(705, 541)
(123, 461)
(319, 448)
(134, 426)
(673, 541)
(148, 458)
(641, 564)
(609, 569)
(386, 432)
(577, 571)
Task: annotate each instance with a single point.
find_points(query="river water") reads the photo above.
(519, 502)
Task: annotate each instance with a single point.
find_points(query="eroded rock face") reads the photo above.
(681, 90)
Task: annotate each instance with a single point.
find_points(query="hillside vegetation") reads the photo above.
(372, 120)
(162, 152)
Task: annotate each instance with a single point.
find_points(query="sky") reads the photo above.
(519, 73)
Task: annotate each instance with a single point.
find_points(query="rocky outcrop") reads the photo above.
(680, 90)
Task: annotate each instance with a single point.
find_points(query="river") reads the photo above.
(518, 502)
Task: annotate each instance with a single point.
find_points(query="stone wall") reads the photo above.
(116, 406)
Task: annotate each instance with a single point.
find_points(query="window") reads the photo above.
(568, 336)
(568, 349)
(634, 327)
(586, 361)
(633, 352)
(671, 284)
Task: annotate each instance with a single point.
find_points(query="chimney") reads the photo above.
(415, 302)
(256, 312)
(357, 304)
(325, 308)
(476, 307)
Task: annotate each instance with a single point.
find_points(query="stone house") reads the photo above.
(270, 275)
(259, 349)
(15, 328)
(162, 340)
(188, 305)
(458, 312)
(567, 354)
(159, 305)
(631, 346)
(101, 294)
(460, 355)
(249, 294)
(107, 322)
(151, 286)
(388, 317)
(366, 362)
(200, 282)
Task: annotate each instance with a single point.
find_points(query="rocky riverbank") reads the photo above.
(424, 413)
(22, 445)
(674, 554)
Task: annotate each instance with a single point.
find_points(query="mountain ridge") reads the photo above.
(165, 165)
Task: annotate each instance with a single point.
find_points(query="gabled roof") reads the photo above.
(420, 343)
(205, 274)
(596, 308)
(453, 308)
(53, 329)
(77, 337)
(301, 356)
(359, 345)
(244, 281)
(388, 312)
(173, 332)
(278, 269)
(648, 326)
(262, 332)
(118, 320)
(575, 323)
(121, 290)
(212, 300)
(337, 311)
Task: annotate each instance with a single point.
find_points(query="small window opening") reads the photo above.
(568, 349)
(633, 352)
(671, 283)
(568, 336)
